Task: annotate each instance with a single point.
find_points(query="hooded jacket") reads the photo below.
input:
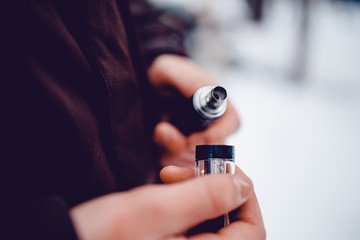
(77, 117)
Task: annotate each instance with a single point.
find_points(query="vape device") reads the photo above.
(206, 105)
(215, 159)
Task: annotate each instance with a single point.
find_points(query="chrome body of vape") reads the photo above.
(215, 159)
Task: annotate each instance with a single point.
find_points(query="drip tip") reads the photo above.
(218, 94)
(210, 102)
(216, 97)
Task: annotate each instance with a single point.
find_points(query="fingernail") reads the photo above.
(243, 189)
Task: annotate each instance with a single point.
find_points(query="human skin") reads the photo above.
(166, 212)
(185, 76)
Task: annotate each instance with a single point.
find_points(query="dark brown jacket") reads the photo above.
(77, 117)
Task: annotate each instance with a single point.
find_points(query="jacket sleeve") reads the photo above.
(160, 31)
(43, 218)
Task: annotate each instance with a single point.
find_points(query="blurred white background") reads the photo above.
(294, 78)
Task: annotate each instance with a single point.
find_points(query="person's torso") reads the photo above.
(79, 98)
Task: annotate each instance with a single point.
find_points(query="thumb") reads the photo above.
(160, 210)
(169, 137)
(180, 206)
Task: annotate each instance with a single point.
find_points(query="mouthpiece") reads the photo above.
(210, 102)
(195, 114)
(217, 97)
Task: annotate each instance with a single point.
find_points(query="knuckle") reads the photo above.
(249, 181)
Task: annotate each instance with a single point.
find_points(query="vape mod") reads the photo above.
(215, 159)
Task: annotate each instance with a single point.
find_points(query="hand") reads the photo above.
(164, 212)
(184, 76)
(249, 223)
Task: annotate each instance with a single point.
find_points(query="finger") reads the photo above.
(206, 236)
(173, 174)
(169, 70)
(228, 124)
(250, 224)
(169, 137)
(183, 159)
(243, 230)
(238, 171)
(175, 145)
(183, 205)
(250, 211)
(219, 130)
